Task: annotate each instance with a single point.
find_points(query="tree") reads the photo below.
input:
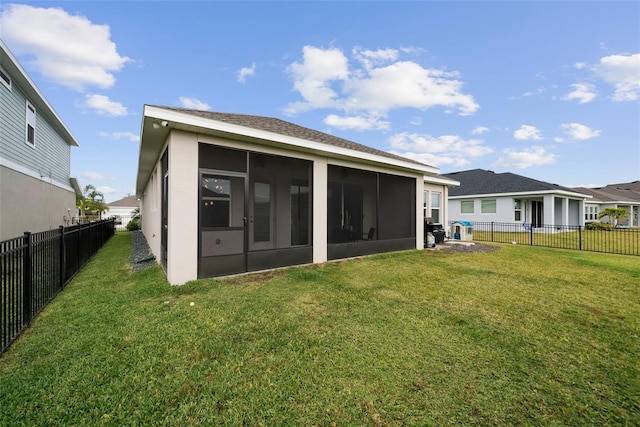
(91, 202)
(614, 215)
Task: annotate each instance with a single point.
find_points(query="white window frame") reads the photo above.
(30, 121)
(484, 203)
(436, 201)
(7, 76)
(425, 204)
(466, 203)
(517, 209)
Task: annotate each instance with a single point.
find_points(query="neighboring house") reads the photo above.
(625, 196)
(486, 196)
(36, 189)
(123, 210)
(228, 193)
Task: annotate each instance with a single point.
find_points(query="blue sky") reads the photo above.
(548, 90)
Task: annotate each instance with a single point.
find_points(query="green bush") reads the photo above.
(598, 226)
(133, 225)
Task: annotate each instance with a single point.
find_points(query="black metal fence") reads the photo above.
(623, 241)
(36, 266)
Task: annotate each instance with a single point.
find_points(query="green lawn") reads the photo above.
(521, 336)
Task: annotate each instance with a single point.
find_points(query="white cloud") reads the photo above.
(583, 92)
(313, 77)
(324, 79)
(120, 135)
(194, 103)
(444, 149)
(356, 122)
(479, 130)
(106, 190)
(246, 72)
(94, 176)
(67, 49)
(371, 58)
(104, 106)
(623, 72)
(577, 131)
(527, 132)
(580, 65)
(533, 156)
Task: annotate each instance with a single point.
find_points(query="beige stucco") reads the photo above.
(32, 203)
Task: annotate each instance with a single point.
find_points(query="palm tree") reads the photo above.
(91, 202)
(614, 215)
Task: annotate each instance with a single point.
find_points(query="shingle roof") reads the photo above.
(480, 181)
(624, 192)
(281, 127)
(125, 202)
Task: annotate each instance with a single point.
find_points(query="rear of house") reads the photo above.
(35, 156)
(229, 193)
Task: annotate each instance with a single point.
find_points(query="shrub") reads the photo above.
(133, 225)
(598, 226)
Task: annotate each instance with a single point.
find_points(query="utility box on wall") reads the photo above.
(462, 230)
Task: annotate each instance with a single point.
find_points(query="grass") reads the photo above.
(521, 336)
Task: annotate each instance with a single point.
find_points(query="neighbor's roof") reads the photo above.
(264, 130)
(627, 192)
(21, 79)
(484, 182)
(129, 201)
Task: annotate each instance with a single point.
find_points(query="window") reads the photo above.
(591, 213)
(517, 210)
(435, 207)
(488, 206)
(216, 201)
(5, 79)
(466, 206)
(262, 212)
(31, 125)
(299, 212)
(425, 206)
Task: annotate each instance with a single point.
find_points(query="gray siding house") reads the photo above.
(37, 192)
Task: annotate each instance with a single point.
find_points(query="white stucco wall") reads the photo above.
(182, 240)
(320, 173)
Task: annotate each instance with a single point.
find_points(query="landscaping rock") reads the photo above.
(141, 256)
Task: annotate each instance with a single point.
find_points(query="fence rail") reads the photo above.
(36, 266)
(623, 241)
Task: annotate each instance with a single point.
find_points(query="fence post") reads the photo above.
(492, 231)
(63, 251)
(531, 235)
(580, 237)
(27, 278)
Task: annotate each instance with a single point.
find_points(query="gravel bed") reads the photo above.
(141, 256)
(476, 247)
